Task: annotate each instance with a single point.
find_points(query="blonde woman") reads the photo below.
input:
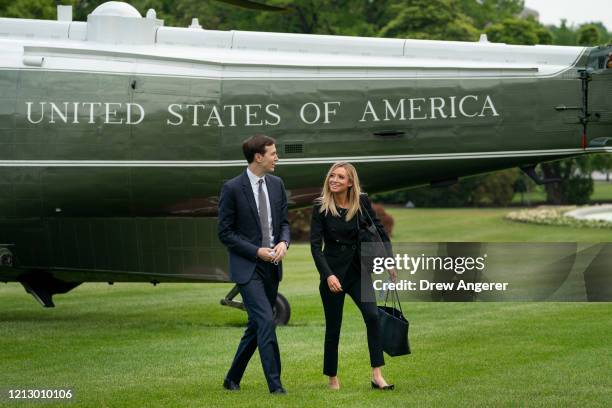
(337, 217)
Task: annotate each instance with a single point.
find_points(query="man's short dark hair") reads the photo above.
(256, 144)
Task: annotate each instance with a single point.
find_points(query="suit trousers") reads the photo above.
(333, 303)
(259, 297)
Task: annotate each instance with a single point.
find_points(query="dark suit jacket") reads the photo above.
(239, 228)
(335, 233)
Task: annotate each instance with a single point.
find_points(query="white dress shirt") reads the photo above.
(255, 186)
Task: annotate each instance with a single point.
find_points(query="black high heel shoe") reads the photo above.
(389, 387)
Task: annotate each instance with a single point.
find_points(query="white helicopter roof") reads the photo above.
(117, 9)
(115, 34)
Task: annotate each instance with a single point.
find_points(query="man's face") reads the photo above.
(268, 160)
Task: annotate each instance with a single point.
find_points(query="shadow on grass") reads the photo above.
(86, 319)
(115, 319)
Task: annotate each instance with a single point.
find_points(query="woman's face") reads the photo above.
(339, 181)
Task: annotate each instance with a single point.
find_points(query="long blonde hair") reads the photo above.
(326, 200)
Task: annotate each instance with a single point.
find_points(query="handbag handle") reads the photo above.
(380, 240)
(393, 299)
(372, 224)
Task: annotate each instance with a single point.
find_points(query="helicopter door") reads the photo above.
(599, 128)
(179, 176)
(180, 152)
(571, 101)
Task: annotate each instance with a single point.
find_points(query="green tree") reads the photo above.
(604, 35)
(341, 17)
(588, 35)
(563, 35)
(496, 189)
(430, 19)
(486, 12)
(545, 36)
(576, 184)
(38, 9)
(602, 163)
(519, 31)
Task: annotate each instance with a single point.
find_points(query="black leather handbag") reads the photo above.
(394, 327)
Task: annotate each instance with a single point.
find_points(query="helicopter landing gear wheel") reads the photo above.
(282, 310)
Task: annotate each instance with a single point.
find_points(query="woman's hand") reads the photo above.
(393, 275)
(334, 284)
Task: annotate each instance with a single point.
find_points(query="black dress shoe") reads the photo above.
(230, 385)
(279, 391)
(384, 388)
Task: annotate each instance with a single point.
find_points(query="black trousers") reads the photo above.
(333, 303)
(259, 297)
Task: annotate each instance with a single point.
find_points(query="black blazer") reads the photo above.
(334, 241)
(239, 227)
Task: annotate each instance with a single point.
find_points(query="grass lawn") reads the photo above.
(481, 225)
(135, 345)
(602, 191)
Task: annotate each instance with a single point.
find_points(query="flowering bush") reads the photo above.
(554, 215)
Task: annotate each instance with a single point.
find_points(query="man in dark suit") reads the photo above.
(253, 226)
